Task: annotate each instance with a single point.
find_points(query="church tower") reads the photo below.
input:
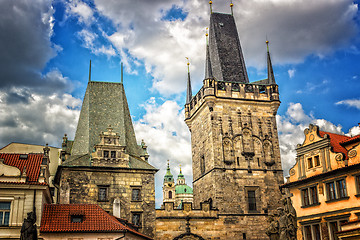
(235, 146)
(168, 186)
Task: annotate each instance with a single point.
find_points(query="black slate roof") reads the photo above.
(226, 57)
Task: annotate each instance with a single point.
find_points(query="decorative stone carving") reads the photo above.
(352, 153)
(283, 226)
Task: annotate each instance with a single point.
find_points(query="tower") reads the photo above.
(104, 165)
(183, 193)
(168, 186)
(234, 139)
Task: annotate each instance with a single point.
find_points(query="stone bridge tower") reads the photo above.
(235, 146)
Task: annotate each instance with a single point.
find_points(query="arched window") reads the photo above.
(170, 194)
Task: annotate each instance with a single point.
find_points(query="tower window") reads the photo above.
(252, 200)
(106, 154)
(170, 194)
(113, 154)
(136, 195)
(136, 219)
(103, 192)
(202, 164)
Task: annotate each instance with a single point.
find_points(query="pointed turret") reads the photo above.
(188, 90)
(90, 71)
(271, 77)
(208, 71)
(225, 55)
(168, 176)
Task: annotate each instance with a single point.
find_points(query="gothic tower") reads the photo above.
(235, 147)
(104, 165)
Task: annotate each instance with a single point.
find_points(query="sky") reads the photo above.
(46, 46)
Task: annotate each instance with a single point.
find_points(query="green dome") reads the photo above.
(181, 189)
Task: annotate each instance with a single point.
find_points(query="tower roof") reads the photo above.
(168, 176)
(181, 175)
(104, 104)
(225, 55)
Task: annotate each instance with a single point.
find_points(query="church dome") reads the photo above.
(183, 189)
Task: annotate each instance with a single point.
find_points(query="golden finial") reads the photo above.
(210, 2)
(267, 45)
(231, 6)
(206, 35)
(188, 63)
(180, 168)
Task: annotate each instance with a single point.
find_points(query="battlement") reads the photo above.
(232, 90)
(169, 211)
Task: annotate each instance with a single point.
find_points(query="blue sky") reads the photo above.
(46, 47)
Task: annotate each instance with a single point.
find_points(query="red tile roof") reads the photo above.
(351, 139)
(57, 218)
(32, 163)
(335, 140)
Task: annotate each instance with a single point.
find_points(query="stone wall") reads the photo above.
(206, 223)
(81, 185)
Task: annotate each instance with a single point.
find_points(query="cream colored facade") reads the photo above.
(54, 157)
(21, 197)
(324, 183)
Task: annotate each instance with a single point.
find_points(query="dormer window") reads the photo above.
(77, 218)
(106, 154)
(113, 154)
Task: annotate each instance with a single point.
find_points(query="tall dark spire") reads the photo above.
(208, 71)
(271, 77)
(90, 71)
(188, 90)
(122, 73)
(225, 54)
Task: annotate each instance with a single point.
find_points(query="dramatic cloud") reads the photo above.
(350, 103)
(37, 119)
(25, 46)
(148, 33)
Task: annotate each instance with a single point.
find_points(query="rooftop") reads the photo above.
(90, 218)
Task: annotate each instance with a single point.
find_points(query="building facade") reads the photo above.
(104, 165)
(24, 189)
(235, 148)
(24, 148)
(324, 183)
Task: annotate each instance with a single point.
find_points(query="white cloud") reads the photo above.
(291, 73)
(36, 118)
(81, 10)
(350, 103)
(90, 41)
(296, 29)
